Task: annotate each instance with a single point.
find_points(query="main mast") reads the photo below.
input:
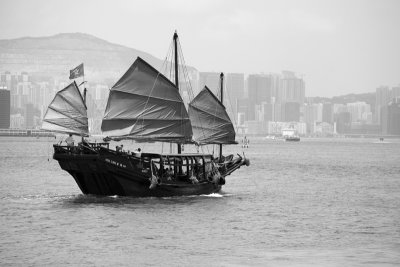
(176, 74)
(221, 77)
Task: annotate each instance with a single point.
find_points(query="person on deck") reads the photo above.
(119, 149)
(70, 140)
(138, 152)
(170, 174)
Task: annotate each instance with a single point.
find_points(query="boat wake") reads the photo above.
(213, 195)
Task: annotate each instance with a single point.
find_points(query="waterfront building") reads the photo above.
(323, 129)
(29, 116)
(390, 118)
(17, 121)
(253, 127)
(343, 122)
(5, 108)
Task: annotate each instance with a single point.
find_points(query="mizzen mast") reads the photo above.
(221, 77)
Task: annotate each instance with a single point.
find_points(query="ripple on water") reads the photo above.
(314, 203)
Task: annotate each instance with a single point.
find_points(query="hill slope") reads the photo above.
(56, 55)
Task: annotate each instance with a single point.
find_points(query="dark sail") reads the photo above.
(144, 105)
(67, 112)
(211, 124)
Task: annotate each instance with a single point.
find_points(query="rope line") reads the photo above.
(189, 89)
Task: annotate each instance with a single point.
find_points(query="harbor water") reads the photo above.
(317, 202)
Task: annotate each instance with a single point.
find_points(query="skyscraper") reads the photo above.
(292, 111)
(395, 93)
(29, 115)
(327, 112)
(292, 89)
(343, 122)
(5, 105)
(357, 110)
(260, 89)
(234, 91)
(382, 99)
(390, 118)
(211, 80)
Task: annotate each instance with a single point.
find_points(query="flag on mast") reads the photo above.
(76, 72)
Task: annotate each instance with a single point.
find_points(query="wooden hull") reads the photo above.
(109, 174)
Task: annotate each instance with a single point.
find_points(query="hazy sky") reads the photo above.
(339, 46)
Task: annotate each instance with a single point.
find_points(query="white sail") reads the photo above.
(67, 112)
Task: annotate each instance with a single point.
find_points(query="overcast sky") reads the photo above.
(339, 46)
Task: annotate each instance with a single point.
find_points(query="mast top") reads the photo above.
(175, 35)
(221, 75)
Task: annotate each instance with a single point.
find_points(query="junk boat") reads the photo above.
(145, 106)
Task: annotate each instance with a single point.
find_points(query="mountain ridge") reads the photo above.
(55, 55)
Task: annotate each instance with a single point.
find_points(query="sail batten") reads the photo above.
(146, 96)
(145, 105)
(211, 124)
(78, 120)
(67, 112)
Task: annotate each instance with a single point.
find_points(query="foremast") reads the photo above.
(177, 74)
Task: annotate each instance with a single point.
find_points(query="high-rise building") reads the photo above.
(235, 85)
(395, 93)
(292, 88)
(343, 122)
(308, 114)
(29, 115)
(234, 91)
(278, 114)
(357, 110)
(382, 99)
(390, 118)
(5, 106)
(292, 111)
(268, 111)
(211, 80)
(261, 88)
(327, 112)
(242, 106)
(338, 108)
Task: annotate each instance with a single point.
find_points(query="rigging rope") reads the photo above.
(231, 108)
(189, 89)
(148, 97)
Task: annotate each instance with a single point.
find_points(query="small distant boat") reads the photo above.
(290, 135)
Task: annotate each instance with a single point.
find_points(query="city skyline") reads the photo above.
(340, 47)
(258, 104)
